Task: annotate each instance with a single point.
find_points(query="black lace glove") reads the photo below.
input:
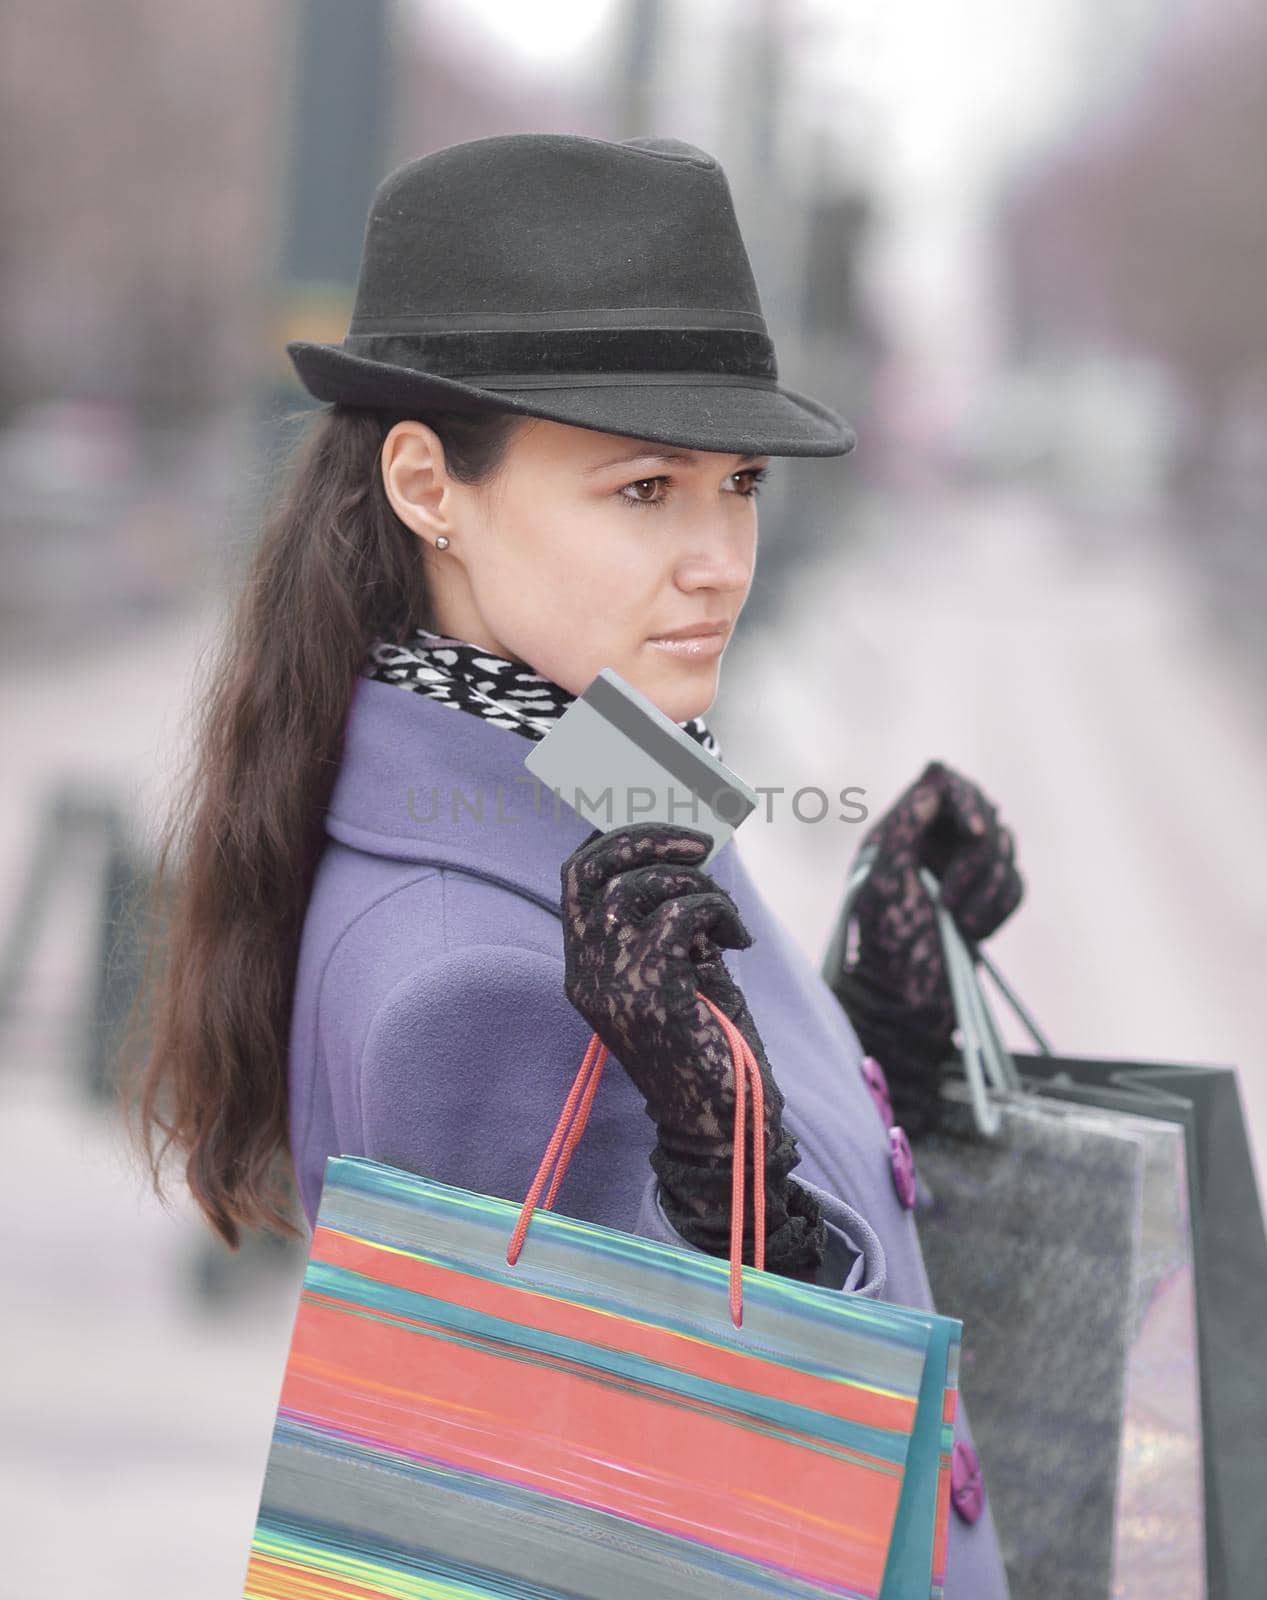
(897, 995)
(643, 929)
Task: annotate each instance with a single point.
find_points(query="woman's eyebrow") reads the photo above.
(667, 456)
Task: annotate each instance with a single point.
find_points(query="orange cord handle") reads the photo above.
(575, 1114)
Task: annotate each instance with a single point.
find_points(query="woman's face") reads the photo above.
(583, 551)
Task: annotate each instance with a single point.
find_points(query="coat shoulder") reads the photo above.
(429, 1005)
(372, 920)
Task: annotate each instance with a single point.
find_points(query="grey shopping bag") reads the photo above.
(1056, 1239)
(1230, 1251)
(1229, 1247)
(1172, 1338)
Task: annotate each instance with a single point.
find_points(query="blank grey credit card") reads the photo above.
(616, 759)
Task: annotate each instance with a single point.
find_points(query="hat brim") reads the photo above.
(737, 418)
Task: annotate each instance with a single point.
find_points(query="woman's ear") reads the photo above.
(416, 479)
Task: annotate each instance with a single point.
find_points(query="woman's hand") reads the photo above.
(897, 995)
(644, 927)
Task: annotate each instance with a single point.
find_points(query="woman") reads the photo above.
(548, 424)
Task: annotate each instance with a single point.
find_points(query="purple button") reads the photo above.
(903, 1164)
(878, 1085)
(967, 1486)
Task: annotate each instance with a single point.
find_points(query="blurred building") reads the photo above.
(1147, 233)
(137, 198)
(142, 196)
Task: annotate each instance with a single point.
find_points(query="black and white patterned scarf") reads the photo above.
(470, 678)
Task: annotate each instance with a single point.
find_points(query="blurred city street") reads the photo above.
(1076, 676)
(1071, 684)
(136, 1409)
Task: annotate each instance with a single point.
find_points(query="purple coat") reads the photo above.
(431, 1030)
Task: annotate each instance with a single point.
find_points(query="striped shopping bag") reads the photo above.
(472, 1409)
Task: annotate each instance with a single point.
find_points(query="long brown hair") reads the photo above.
(205, 1050)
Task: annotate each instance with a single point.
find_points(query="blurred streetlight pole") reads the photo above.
(338, 116)
(336, 122)
(637, 62)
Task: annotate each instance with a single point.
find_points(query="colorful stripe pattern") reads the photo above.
(589, 1422)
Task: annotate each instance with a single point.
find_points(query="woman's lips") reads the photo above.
(698, 645)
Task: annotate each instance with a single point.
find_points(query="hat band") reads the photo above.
(554, 353)
(584, 318)
(509, 382)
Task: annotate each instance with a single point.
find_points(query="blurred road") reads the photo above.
(135, 1416)
(1074, 676)
(1067, 673)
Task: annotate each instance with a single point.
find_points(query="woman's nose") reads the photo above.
(718, 564)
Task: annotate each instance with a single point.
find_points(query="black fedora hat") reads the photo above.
(590, 282)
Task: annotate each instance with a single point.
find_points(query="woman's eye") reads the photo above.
(753, 475)
(643, 483)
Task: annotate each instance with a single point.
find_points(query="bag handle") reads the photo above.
(985, 1055)
(575, 1114)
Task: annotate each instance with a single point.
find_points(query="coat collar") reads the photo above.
(423, 781)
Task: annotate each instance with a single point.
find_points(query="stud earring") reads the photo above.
(442, 542)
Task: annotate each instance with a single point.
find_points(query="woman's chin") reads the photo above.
(686, 690)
